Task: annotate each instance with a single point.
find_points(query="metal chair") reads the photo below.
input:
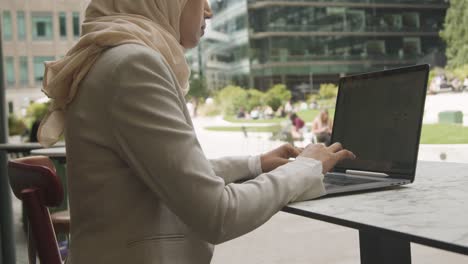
(35, 182)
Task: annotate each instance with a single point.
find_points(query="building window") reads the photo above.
(10, 71)
(63, 24)
(76, 24)
(39, 67)
(7, 26)
(24, 71)
(42, 26)
(21, 25)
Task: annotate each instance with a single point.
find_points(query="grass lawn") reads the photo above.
(444, 134)
(306, 115)
(431, 134)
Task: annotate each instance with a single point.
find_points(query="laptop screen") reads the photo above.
(378, 117)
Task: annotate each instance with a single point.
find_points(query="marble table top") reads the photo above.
(432, 211)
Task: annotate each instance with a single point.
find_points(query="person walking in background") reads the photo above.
(297, 125)
(322, 127)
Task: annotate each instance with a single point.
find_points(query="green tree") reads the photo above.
(16, 125)
(254, 98)
(455, 33)
(37, 111)
(277, 96)
(198, 89)
(231, 99)
(328, 91)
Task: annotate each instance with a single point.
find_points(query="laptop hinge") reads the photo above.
(367, 173)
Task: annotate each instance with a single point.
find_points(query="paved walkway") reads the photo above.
(445, 102)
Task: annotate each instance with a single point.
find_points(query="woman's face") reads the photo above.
(192, 22)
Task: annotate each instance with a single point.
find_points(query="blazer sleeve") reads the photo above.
(153, 136)
(236, 168)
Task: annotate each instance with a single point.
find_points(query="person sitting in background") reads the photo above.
(297, 125)
(268, 112)
(280, 112)
(255, 113)
(322, 127)
(241, 114)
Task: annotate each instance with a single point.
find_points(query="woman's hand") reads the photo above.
(329, 156)
(279, 156)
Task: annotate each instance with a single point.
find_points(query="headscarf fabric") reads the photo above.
(109, 23)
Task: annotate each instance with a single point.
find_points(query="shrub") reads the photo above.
(16, 125)
(277, 96)
(254, 98)
(328, 91)
(209, 110)
(460, 72)
(36, 111)
(231, 99)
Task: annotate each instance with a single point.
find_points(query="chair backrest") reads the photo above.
(34, 181)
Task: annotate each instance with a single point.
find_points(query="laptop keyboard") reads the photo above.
(344, 181)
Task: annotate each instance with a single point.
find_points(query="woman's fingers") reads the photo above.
(291, 151)
(344, 154)
(335, 147)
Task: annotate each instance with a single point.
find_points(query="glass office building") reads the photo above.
(303, 43)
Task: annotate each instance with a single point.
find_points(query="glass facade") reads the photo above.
(7, 26)
(63, 24)
(39, 67)
(76, 24)
(24, 70)
(21, 25)
(10, 71)
(298, 42)
(42, 28)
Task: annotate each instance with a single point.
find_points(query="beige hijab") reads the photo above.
(109, 23)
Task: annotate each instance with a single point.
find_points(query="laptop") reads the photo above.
(378, 117)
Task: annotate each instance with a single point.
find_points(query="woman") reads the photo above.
(297, 125)
(141, 189)
(322, 127)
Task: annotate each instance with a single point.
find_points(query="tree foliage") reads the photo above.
(328, 90)
(455, 33)
(198, 88)
(37, 111)
(231, 99)
(254, 98)
(277, 96)
(16, 126)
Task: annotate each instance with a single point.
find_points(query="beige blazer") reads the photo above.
(141, 189)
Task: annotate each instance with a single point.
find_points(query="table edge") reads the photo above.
(359, 226)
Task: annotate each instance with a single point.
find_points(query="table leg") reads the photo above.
(382, 249)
